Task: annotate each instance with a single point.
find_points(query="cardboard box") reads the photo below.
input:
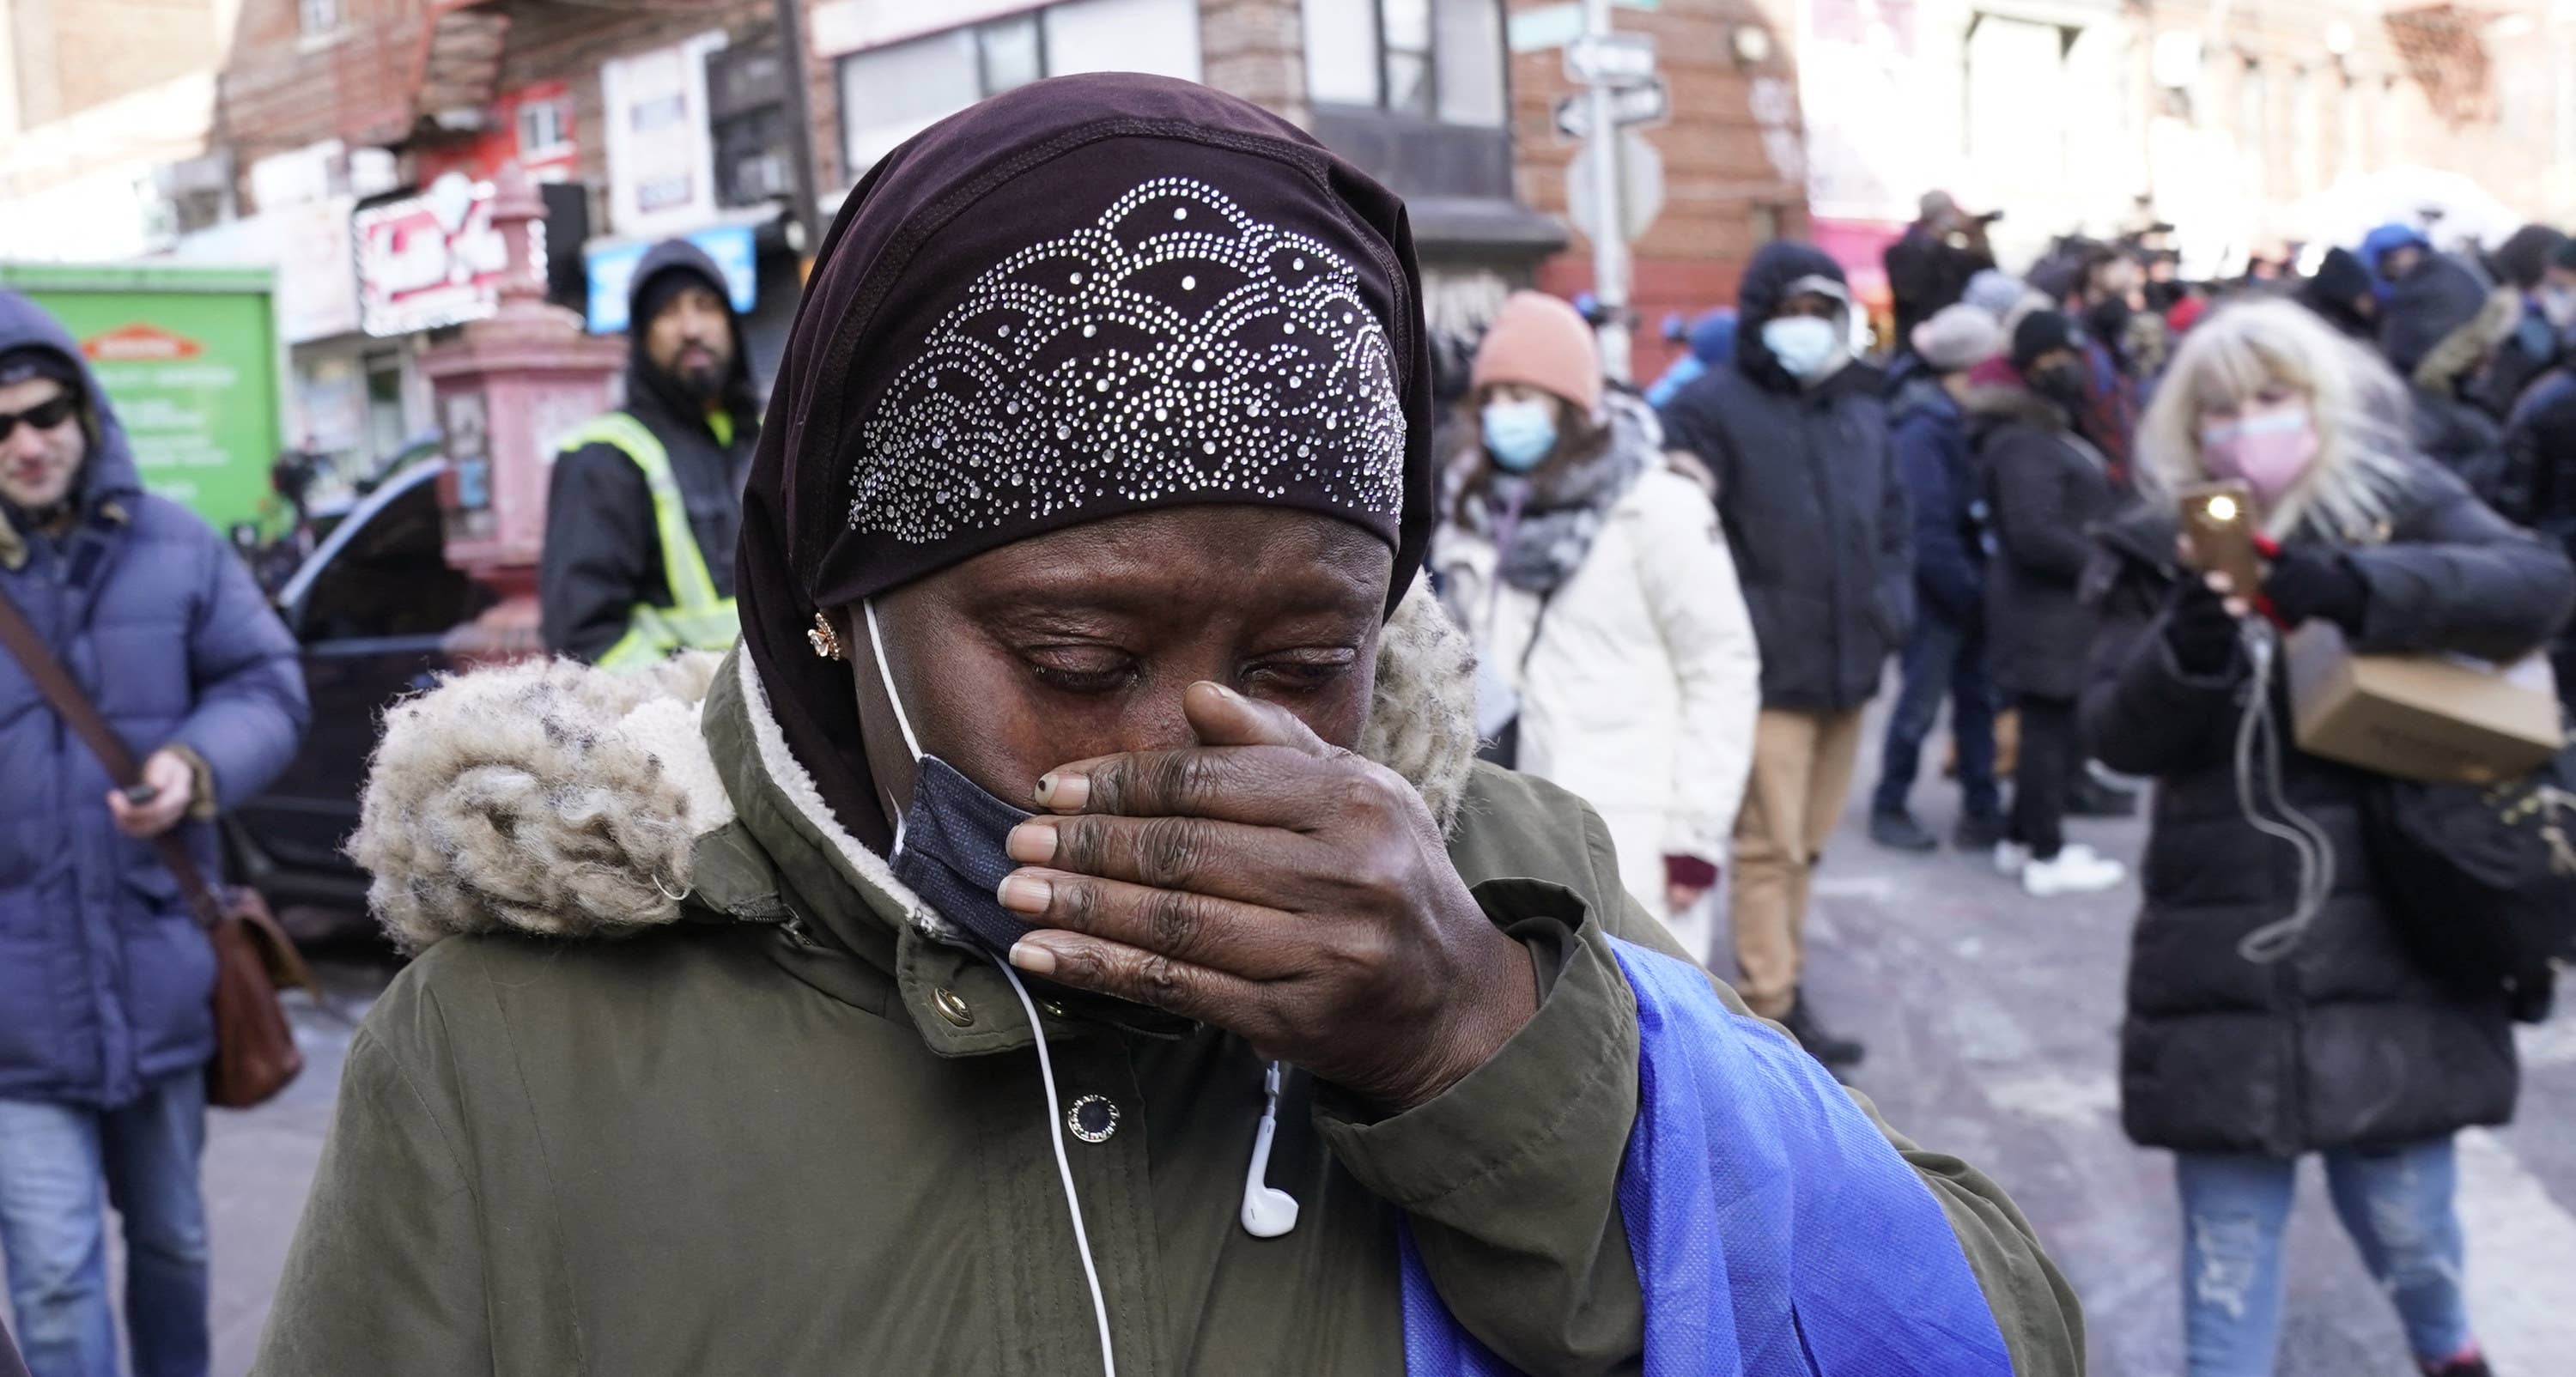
(2439, 719)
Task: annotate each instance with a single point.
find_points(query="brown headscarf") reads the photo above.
(1091, 296)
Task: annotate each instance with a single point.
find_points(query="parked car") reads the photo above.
(372, 606)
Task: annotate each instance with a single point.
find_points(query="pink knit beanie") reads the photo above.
(1541, 341)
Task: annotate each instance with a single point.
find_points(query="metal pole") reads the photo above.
(1609, 217)
(800, 129)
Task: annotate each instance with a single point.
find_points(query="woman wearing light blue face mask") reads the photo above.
(1615, 655)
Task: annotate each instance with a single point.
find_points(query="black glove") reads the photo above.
(2199, 629)
(2312, 584)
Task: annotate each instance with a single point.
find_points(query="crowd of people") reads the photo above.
(1012, 782)
(1993, 503)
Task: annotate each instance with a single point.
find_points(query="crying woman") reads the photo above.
(1071, 933)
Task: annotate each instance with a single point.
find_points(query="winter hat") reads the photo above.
(2565, 257)
(1540, 341)
(1712, 340)
(2522, 259)
(1958, 338)
(2437, 302)
(1995, 292)
(39, 361)
(2043, 332)
(2186, 313)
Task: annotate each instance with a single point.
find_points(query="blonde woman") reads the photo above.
(1609, 628)
(2342, 1047)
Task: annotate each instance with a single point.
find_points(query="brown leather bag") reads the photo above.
(255, 1051)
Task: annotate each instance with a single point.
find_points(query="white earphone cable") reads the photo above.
(1063, 1165)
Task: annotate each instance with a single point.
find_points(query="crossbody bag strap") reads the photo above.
(79, 714)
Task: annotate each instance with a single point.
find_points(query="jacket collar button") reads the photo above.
(952, 1007)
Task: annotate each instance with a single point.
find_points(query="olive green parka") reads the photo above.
(780, 1126)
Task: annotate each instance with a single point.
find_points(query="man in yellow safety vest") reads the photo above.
(645, 504)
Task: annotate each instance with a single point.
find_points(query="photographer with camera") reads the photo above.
(2272, 1009)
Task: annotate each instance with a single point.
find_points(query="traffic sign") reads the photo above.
(1630, 106)
(1610, 59)
(1548, 26)
(1641, 185)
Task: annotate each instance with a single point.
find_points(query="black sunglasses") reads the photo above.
(43, 415)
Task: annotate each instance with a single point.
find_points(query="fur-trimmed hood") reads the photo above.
(556, 799)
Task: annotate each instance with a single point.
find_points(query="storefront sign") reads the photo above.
(432, 259)
(612, 273)
(661, 157)
(189, 356)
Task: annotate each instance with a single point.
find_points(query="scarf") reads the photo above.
(1542, 526)
(1776, 1233)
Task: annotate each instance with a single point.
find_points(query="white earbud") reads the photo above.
(1268, 1212)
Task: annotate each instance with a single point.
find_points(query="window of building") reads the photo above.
(1431, 59)
(545, 129)
(891, 93)
(317, 17)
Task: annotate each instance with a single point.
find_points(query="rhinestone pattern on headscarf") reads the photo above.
(1176, 347)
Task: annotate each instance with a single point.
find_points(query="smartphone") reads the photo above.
(140, 794)
(2219, 518)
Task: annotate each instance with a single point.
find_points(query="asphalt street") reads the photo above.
(1992, 1023)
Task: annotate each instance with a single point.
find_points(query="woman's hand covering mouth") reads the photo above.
(1283, 889)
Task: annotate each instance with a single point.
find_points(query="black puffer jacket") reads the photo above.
(2047, 488)
(1808, 493)
(2345, 1041)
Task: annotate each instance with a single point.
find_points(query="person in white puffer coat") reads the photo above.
(1615, 655)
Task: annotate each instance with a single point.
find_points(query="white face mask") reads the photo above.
(1805, 346)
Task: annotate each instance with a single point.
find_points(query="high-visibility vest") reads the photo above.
(696, 619)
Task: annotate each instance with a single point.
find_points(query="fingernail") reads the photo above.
(1024, 893)
(1032, 842)
(1034, 959)
(1059, 790)
(1229, 694)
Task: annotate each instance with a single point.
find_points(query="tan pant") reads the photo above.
(1802, 772)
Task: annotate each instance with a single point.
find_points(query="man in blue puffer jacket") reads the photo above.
(105, 978)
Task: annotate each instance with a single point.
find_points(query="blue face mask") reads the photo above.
(1520, 435)
(948, 846)
(1804, 345)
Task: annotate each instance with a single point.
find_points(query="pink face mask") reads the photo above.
(2270, 450)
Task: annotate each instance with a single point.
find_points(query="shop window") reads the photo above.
(890, 94)
(1436, 60)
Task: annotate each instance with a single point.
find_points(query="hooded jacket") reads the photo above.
(104, 975)
(2047, 487)
(2437, 327)
(1946, 496)
(2345, 1042)
(1640, 689)
(1810, 499)
(603, 553)
(778, 1127)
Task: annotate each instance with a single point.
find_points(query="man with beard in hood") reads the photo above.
(1815, 511)
(646, 502)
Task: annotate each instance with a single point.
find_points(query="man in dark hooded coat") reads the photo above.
(645, 505)
(1814, 509)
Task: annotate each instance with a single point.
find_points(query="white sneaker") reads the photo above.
(2073, 871)
(2010, 858)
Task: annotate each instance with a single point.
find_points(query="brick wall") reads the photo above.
(75, 54)
(1255, 49)
(1721, 190)
(279, 91)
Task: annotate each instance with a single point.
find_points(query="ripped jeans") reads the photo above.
(2396, 1204)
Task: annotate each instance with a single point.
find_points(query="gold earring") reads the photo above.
(825, 640)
